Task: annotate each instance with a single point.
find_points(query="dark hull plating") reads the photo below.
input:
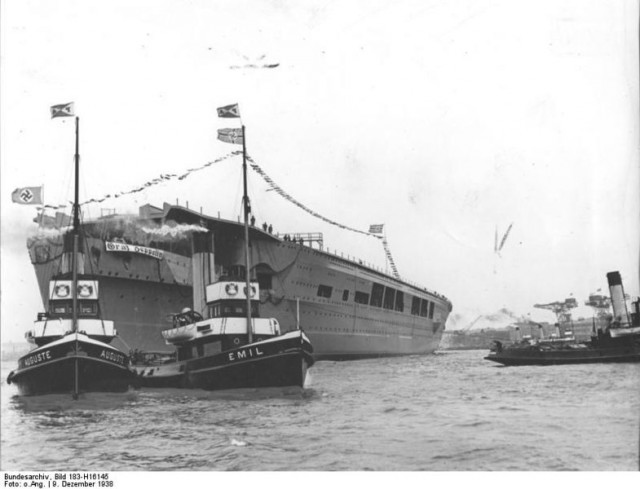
(262, 364)
(55, 370)
(624, 351)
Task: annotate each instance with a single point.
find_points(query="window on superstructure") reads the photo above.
(58, 308)
(88, 308)
(415, 306)
(324, 291)
(431, 304)
(377, 291)
(424, 308)
(361, 297)
(212, 348)
(399, 301)
(345, 295)
(389, 298)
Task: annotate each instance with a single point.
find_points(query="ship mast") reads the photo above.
(245, 200)
(74, 258)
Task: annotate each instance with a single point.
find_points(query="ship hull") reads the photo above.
(299, 285)
(52, 369)
(602, 349)
(596, 356)
(278, 362)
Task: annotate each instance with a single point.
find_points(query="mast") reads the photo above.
(245, 200)
(74, 259)
(76, 227)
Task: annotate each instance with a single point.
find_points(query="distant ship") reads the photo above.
(619, 341)
(154, 264)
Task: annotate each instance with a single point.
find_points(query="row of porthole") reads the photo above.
(117, 274)
(364, 319)
(143, 298)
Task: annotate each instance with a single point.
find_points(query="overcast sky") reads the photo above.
(441, 119)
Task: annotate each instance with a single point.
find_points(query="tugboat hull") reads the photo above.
(277, 362)
(515, 357)
(51, 369)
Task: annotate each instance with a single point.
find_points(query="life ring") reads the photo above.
(253, 291)
(62, 290)
(236, 341)
(85, 290)
(231, 289)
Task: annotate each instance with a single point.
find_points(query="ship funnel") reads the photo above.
(618, 303)
(541, 331)
(203, 268)
(518, 335)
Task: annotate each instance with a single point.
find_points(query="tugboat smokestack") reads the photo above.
(618, 303)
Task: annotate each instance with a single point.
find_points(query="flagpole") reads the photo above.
(74, 261)
(245, 200)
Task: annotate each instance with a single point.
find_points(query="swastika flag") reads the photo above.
(27, 195)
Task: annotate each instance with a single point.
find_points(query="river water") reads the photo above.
(452, 411)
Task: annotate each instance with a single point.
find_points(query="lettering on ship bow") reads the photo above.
(40, 357)
(245, 354)
(113, 357)
(127, 248)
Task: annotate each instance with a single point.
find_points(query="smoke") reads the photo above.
(51, 232)
(178, 230)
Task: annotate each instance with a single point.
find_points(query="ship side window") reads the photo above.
(88, 308)
(415, 306)
(324, 291)
(424, 308)
(361, 297)
(212, 348)
(60, 308)
(377, 291)
(345, 295)
(214, 311)
(399, 301)
(431, 304)
(389, 298)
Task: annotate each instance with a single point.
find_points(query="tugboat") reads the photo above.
(220, 353)
(72, 354)
(619, 342)
(234, 347)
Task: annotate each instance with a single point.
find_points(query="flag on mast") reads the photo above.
(28, 195)
(62, 110)
(233, 136)
(376, 228)
(229, 111)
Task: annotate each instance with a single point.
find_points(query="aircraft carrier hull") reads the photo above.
(348, 310)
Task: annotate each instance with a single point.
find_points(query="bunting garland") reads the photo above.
(274, 186)
(162, 178)
(387, 252)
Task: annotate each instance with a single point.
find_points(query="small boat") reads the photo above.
(234, 347)
(216, 353)
(619, 342)
(72, 352)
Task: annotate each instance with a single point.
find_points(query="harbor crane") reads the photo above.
(601, 305)
(562, 310)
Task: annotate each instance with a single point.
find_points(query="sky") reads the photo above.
(446, 121)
